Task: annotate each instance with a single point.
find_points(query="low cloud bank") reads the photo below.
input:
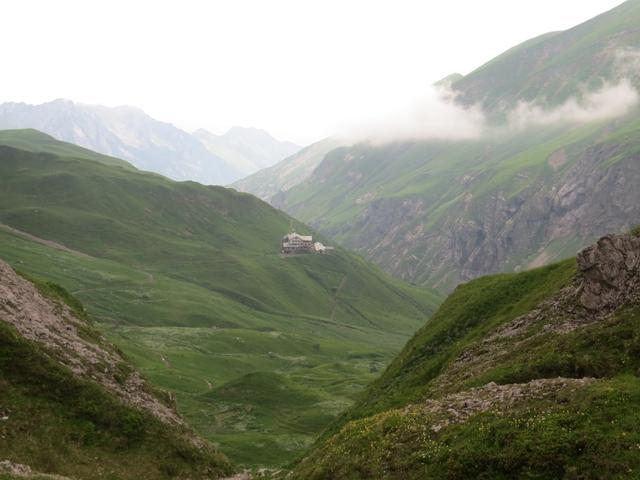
(433, 117)
(610, 101)
(437, 117)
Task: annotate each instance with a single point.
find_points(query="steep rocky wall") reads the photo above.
(500, 231)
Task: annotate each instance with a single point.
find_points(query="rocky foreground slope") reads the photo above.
(530, 375)
(70, 404)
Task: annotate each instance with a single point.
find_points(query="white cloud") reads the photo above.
(628, 62)
(609, 101)
(432, 117)
(437, 117)
(298, 69)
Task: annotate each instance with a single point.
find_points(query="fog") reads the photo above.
(436, 116)
(609, 101)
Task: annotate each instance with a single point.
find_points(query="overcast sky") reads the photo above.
(299, 69)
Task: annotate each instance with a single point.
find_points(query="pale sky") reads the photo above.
(300, 69)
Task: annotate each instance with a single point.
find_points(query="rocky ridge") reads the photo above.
(608, 278)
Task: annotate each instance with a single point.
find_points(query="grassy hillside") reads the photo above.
(187, 280)
(269, 182)
(440, 212)
(36, 141)
(437, 213)
(553, 67)
(515, 376)
(57, 422)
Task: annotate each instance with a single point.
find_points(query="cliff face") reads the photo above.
(611, 272)
(485, 222)
(530, 375)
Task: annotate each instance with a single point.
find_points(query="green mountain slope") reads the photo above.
(439, 212)
(529, 375)
(268, 183)
(188, 281)
(247, 150)
(36, 141)
(72, 405)
(553, 67)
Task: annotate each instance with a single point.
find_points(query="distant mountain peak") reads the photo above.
(125, 132)
(448, 80)
(247, 149)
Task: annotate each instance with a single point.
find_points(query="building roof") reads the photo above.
(304, 238)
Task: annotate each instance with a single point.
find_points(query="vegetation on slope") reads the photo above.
(468, 314)
(438, 212)
(36, 141)
(188, 281)
(555, 66)
(56, 422)
(589, 433)
(268, 183)
(514, 377)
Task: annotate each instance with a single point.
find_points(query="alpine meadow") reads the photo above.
(340, 261)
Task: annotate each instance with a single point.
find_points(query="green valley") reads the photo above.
(188, 281)
(72, 406)
(443, 284)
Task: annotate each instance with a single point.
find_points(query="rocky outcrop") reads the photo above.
(608, 278)
(24, 471)
(611, 272)
(459, 407)
(68, 339)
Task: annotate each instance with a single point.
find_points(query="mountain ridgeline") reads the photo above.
(528, 375)
(189, 282)
(247, 149)
(553, 171)
(269, 183)
(129, 133)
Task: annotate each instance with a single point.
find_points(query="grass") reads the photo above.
(187, 281)
(471, 311)
(601, 350)
(36, 141)
(433, 182)
(59, 423)
(587, 432)
(439, 198)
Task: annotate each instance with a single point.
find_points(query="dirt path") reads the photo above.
(165, 361)
(42, 241)
(335, 297)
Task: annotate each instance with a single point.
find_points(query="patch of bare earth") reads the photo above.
(459, 407)
(42, 241)
(24, 471)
